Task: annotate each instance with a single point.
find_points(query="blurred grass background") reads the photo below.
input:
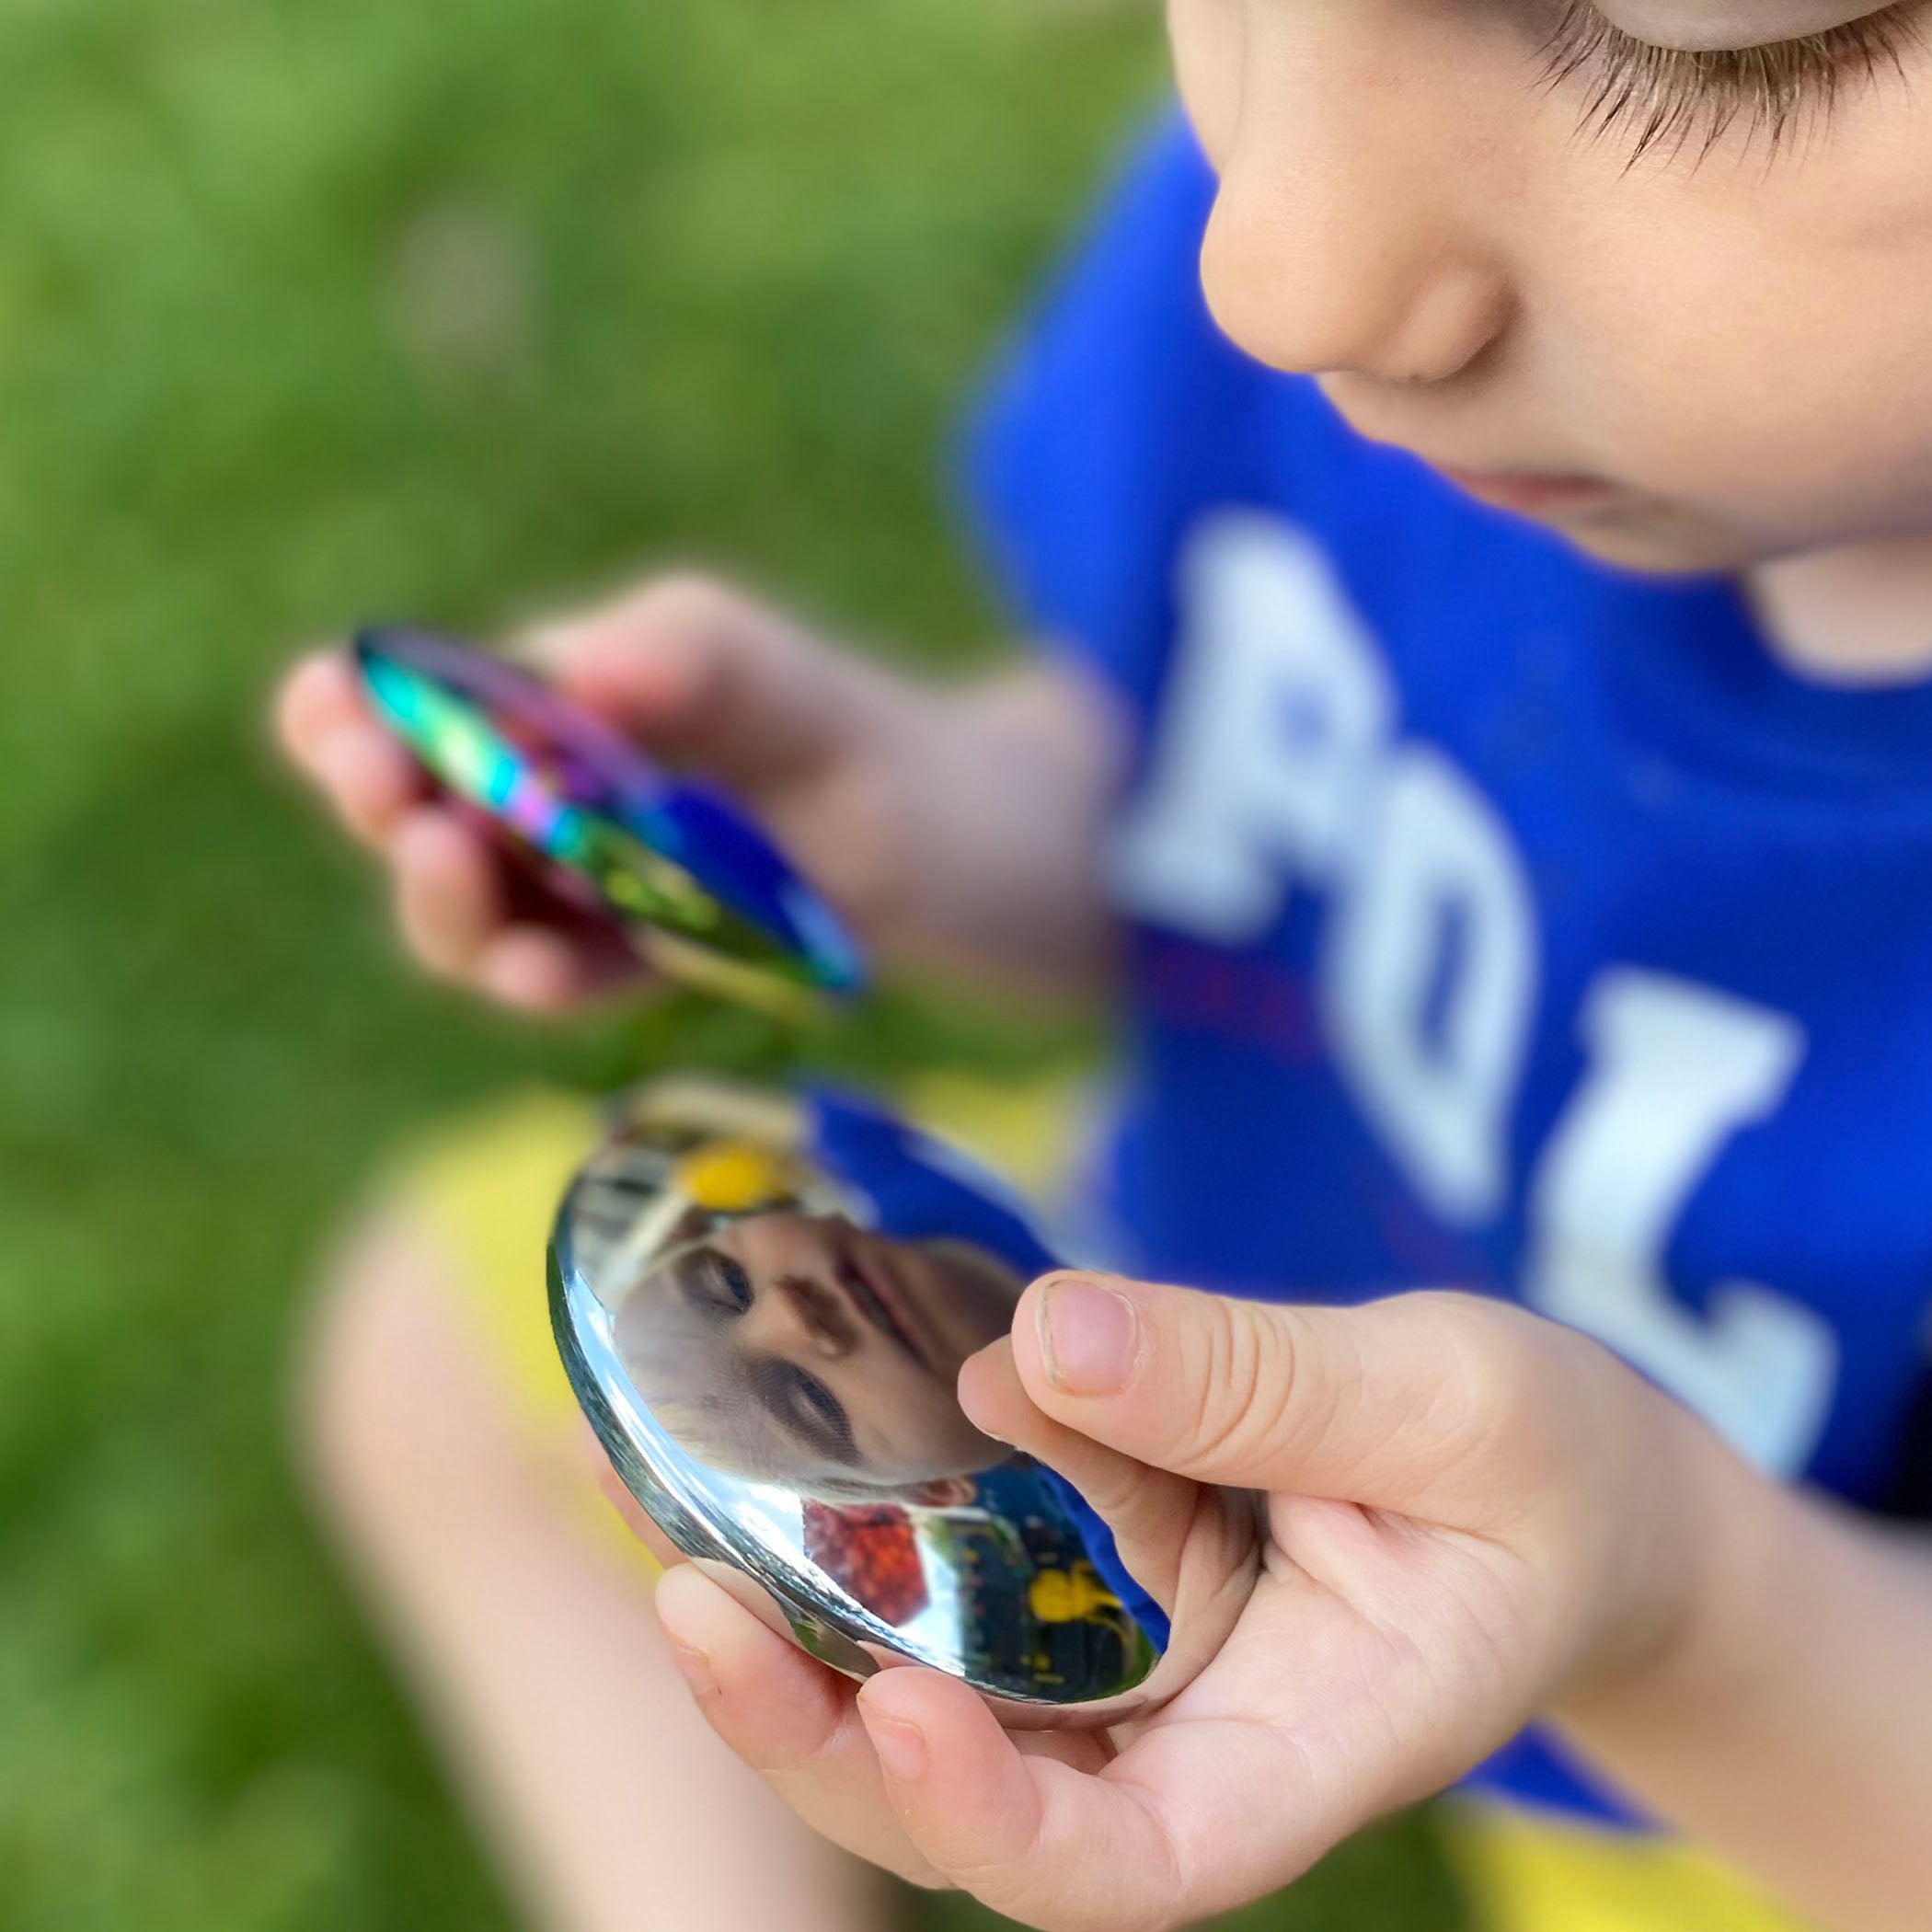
(447, 309)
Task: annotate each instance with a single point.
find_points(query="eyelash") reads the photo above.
(1666, 99)
(817, 1407)
(728, 1287)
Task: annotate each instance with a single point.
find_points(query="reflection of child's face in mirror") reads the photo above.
(805, 1350)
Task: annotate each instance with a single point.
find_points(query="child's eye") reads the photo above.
(722, 1283)
(810, 1409)
(1667, 97)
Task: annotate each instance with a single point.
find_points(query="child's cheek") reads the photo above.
(1748, 338)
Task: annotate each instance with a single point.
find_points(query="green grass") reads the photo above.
(314, 310)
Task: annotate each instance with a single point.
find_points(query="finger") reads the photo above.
(316, 698)
(1052, 1844)
(703, 674)
(468, 910)
(791, 1718)
(541, 968)
(1234, 1791)
(473, 911)
(635, 1518)
(370, 780)
(326, 728)
(449, 889)
(1399, 1404)
(1150, 1512)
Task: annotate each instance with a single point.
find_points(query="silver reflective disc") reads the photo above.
(762, 1304)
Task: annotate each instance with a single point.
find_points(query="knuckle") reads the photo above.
(1242, 1396)
(442, 950)
(1000, 1891)
(1018, 1888)
(854, 1826)
(799, 1763)
(782, 1766)
(1496, 1363)
(1016, 1880)
(1006, 1876)
(687, 602)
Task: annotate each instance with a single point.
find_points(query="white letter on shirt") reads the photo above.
(1429, 978)
(1279, 708)
(1676, 1070)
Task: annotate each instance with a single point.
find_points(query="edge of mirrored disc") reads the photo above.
(843, 1634)
(683, 1515)
(813, 962)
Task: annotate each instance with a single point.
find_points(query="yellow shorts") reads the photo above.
(1525, 1872)
(487, 1189)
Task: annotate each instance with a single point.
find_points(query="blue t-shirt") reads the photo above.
(1498, 920)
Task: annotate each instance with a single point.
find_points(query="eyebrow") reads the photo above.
(1708, 26)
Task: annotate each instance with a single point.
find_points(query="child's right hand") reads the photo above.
(898, 804)
(1473, 1517)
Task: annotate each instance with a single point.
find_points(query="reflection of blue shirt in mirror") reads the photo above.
(921, 1189)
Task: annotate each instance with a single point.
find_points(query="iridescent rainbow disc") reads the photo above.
(694, 887)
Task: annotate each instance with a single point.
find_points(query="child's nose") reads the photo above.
(1347, 235)
(817, 1315)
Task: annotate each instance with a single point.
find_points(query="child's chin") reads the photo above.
(1661, 544)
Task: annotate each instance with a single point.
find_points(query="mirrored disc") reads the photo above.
(764, 1304)
(694, 887)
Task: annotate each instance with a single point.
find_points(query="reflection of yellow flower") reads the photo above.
(1069, 1596)
(735, 1177)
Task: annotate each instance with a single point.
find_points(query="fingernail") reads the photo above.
(1089, 1335)
(901, 1747)
(694, 1668)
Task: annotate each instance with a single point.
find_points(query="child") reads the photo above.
(1475, 489)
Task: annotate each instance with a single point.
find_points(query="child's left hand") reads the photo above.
(1470, 1514)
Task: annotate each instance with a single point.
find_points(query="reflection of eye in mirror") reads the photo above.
(767, 1331)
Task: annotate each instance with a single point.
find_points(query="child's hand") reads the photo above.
(1470, 1513)
(698, 675)
(877, 790)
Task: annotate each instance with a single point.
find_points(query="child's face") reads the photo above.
(1696, 356)
(825, 1352)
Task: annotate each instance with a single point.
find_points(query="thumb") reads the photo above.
(704, 675)
(1402, 1405)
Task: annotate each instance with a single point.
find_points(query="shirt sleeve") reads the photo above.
(1117, 412)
